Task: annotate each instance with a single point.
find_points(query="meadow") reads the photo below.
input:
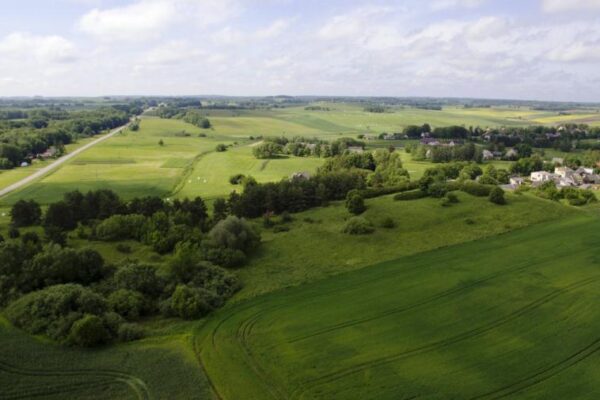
(511, 316)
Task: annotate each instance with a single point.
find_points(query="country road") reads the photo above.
(40, 173)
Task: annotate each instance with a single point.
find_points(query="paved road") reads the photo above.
(38, 174)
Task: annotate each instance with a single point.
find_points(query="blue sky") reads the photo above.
(529, 49)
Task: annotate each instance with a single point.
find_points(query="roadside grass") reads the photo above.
(315, 248)
(129, 163)
(510, 316)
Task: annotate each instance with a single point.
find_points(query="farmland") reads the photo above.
(451, 323)
(443, 302)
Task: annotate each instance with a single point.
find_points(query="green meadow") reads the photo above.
(510, 316)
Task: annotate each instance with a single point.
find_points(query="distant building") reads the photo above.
(355, 149)
(511, 154)
(488, 155)
(541, 176)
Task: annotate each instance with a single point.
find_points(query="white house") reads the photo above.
(541, 176)
(488, 155)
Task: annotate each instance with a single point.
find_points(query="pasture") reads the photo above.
(314, 247)
(510, 316)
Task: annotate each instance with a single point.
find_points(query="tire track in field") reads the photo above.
(544, 374)
(431, 299)
(136, 384)
(440, 344)
(243, 333)
(44, 391)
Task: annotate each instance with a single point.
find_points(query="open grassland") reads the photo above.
(315, 248)
(131, 163)
(163, 367)
(512, 316)
(210, 176)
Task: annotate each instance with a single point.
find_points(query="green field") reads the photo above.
(163, 367)
(512, 316)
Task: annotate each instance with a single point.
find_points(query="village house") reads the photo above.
(567, 177)
(487, 155)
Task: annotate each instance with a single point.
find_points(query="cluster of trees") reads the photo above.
(445, 154)
(196, 118)
(381, 171)
(574, 196)
(36, 275)
(22, 140)
(273, 147)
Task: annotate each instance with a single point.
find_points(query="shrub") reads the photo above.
(410, 195)
(497, 196)
(225, 257)
(355, 203)
(234, 233)
(476, 189)
(89, 331)
(13, 232)
(53, 310)
(128, 303)
(221, 147)
(358, 226)
(286, 217)
(191, 303)
(129, 332)
(121, 227)
(449, 199)
(139, 277)
(236, 179)
(437, 189)
(388, 223)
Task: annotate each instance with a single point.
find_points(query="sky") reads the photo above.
(527, 49)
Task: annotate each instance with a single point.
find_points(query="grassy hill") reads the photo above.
(315, 248)
(511, 316)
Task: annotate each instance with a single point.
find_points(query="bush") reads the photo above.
(410, 195)
(129, 332)
(437, 189)
(358, 226)
(388, 223)
(13, 232)
(89, 331)
(497, 196)
(286, 217)
(234, 233)
(449, 199)
(140, 278)
(121, 227)
(355, 203)
(236, 179)
(127, 303)
(52, 311)
(221, 148)
(191, 303)
(476, 189)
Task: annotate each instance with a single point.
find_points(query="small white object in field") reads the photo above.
(205, 181)
(190, 181)
(4, 214)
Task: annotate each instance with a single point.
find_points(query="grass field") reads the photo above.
(317, 249)
(511, 316)
(210, 176)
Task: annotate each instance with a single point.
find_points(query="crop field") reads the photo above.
(163, 367)
(131, 163)
(511, 316)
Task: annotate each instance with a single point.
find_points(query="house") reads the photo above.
(488, 155)
(512, 154)
(541, 176)
(516, 181)
(355, 149)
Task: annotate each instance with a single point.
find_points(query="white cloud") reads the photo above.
(43, 49)
(556, 6)
(275, 29)
(440, 5)
(352, 23)
(150, 18)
